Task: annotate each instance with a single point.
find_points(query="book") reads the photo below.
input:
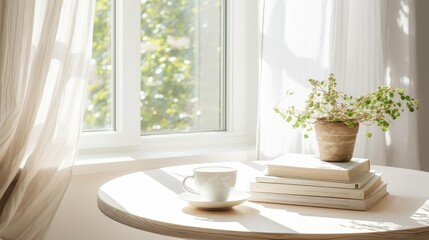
(307, 166)
(362, 193)
(327, 202)
(356, 184)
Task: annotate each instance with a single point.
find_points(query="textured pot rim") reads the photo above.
(324, 121)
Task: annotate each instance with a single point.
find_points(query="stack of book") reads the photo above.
(301, 179)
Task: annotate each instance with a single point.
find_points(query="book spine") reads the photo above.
(306, 190)
(309, 201)
(321, 176)
(352, 204)
(297, 181)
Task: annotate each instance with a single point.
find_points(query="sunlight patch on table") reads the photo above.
(303, 223)
(422, 214)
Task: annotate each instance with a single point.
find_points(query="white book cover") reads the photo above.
(307, 166)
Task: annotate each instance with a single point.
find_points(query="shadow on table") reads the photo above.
(166, 179)
(246, 216)
(418, 211)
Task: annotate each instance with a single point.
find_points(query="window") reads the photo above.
(182, 66)
(162, 78)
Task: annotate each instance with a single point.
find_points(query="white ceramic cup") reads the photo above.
(213, 183)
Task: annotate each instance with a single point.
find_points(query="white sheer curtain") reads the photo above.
(45, 49)
(365, 43)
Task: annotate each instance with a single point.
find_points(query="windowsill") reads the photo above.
(115, 160)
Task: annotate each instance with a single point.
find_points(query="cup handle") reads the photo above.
(186, 188)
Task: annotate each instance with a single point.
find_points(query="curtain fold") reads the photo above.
(45, 49)
(365, 43)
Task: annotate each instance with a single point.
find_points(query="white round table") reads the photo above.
(148, 200)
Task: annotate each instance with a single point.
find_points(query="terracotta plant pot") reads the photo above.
(336, 141)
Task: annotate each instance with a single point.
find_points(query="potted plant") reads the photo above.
(336, 116)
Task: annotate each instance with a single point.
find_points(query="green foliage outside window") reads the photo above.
(98, 110)
(168, 49)
(168, 96)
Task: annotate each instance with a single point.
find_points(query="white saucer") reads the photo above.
(195, 200)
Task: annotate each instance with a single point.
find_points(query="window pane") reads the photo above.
(181, 66)
(98, 104)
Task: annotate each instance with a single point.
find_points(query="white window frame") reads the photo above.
(241, 88)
